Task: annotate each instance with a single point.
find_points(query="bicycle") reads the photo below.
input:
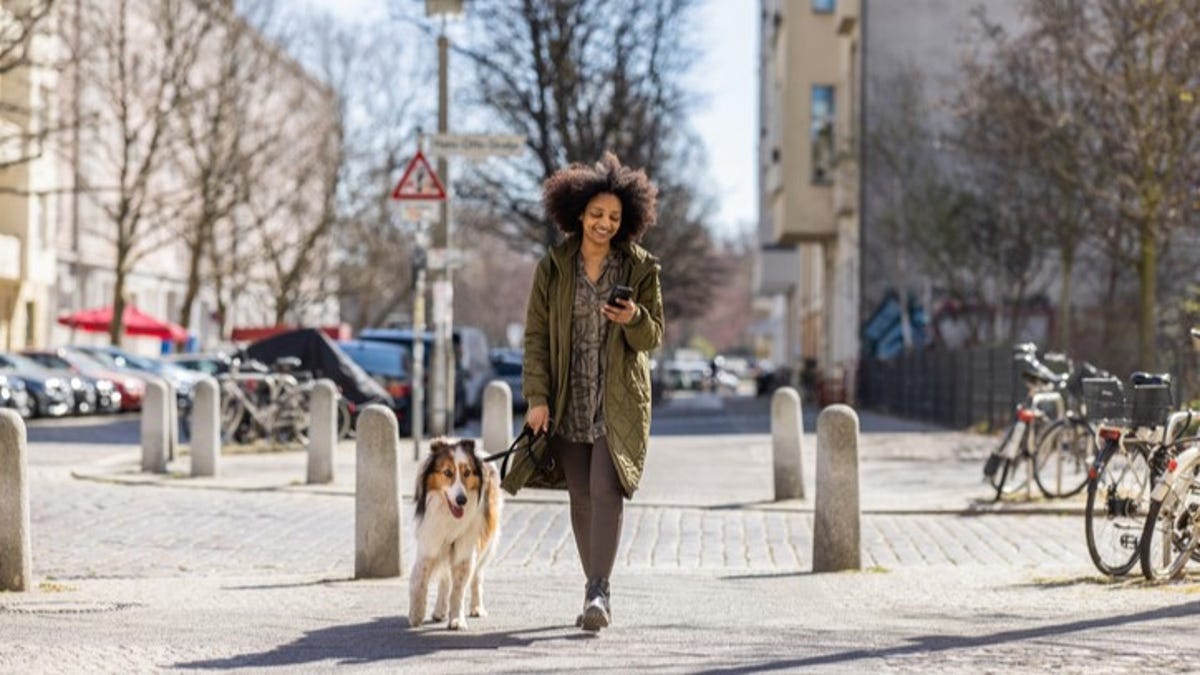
(1067, 448)
(1138, 435)
(1042, 430)
(1169, 535)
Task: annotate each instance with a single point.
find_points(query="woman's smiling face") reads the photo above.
(602, 218)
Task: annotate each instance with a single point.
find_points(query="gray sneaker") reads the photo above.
(596, 612)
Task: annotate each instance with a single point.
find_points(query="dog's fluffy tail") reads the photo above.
(492, 503)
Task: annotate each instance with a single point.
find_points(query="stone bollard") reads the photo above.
(155, 422)
(172, 420)
(206, 428)
(497, 417)
(322, 432)
(787, 432)
(837, 535)
(377, 533)
(15, 563)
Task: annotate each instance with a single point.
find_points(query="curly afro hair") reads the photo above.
(566, 194)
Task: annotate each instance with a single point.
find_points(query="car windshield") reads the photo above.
(380, 360)
(50, 361)
(124, 360)
(20, 364)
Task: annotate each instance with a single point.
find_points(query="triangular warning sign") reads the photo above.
(419, 182)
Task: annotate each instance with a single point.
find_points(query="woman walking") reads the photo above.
(586, 371)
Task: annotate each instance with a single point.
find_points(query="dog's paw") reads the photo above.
(478, 611)
(457, 623)
(437, 616)
(415, 620)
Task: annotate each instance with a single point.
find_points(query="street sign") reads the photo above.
(476, 145)
(419, 182)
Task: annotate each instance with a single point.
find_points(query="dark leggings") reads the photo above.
(596, 503)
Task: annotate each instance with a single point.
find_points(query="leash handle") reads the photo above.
(526, 432)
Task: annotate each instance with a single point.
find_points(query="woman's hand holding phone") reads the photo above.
(620, 307)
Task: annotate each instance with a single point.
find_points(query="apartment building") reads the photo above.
(28, 208)
(824, 70)
(59, 234)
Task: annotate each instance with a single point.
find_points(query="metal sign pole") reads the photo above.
(438, 379)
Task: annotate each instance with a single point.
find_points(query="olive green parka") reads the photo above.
(627, 370)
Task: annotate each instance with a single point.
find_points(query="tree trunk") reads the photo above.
(193, 281)
(116, 326)
(1147, 278)
(1064, 301)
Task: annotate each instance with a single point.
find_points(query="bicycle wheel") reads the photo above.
(1170, 534)
(1064, 455)
(232, 411)
(1017, 470)
(999, 463)
(1117, 502)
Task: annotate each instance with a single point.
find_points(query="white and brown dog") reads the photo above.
(458, 526)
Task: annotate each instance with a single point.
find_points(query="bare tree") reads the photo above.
(375, 244)
(947, 215)
(1127, 73)
(577, 78)
(138, 60)
(223, 136)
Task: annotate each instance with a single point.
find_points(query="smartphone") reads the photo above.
(622, 292)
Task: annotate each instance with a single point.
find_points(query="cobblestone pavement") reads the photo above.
(710, 578)
(84, 529)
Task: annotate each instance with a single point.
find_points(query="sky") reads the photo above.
(726, 81)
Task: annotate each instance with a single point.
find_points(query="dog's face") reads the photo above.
(452, 474)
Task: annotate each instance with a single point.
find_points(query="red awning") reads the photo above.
(133, 320)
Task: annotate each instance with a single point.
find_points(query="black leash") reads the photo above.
(545, 464)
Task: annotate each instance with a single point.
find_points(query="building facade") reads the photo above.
(29, 207)
(825, 71)
(64, 214)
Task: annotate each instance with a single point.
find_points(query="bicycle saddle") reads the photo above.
(1142, 378)
(1024, 348)
(286, 364)
(1033, 369)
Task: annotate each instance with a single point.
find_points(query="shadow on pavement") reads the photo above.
(929, 644)
(383, 639)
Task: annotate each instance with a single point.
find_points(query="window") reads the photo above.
(821, 133)
(824, 6)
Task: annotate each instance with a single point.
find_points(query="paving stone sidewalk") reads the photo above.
(252, 571)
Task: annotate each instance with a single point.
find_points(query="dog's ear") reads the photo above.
(477, 464)
(439, 444)
(423, 471)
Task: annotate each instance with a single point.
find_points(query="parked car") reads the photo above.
(107, 397)
(181, 379)
(404, 338)
(14, 395)
(388, 365)
(85, 393)
(50, 395)
(508, 364)
(128, 388)
(213, 363)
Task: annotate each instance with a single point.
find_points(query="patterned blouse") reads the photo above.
(583, 420)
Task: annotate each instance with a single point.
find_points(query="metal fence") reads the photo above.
(957, 389)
